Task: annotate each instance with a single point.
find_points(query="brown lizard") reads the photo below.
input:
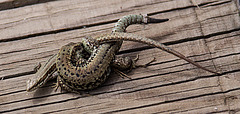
(86, 71)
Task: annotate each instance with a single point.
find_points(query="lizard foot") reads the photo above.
(55, 86)
(121, 74)
(37, 67)
(143, 65)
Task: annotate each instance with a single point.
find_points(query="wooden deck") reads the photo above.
(33, 30)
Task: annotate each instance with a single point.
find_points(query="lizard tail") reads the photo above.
(132, 37)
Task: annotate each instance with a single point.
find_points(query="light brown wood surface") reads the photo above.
(206, 31)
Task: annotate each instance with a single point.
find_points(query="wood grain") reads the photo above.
(206, 31)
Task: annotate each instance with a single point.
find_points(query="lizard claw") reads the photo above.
(121, 74)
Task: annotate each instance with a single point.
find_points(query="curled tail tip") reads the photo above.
(153, 20)
(147, 19)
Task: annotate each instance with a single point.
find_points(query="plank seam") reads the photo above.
(170, 101)
(83, 26)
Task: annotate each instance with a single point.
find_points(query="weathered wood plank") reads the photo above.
(192, 31)
(208, 85)
(60, 15)
(209, 35)
(143, 82)
(9, 4)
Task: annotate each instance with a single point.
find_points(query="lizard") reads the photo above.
(95, 67)
(43, 75)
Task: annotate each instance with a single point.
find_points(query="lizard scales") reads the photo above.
(97, 67)
(93, 70)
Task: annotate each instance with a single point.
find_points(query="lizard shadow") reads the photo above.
(109, 87)
(42, 93)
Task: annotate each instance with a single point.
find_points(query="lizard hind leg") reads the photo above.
(143, 65)
(127, 64)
